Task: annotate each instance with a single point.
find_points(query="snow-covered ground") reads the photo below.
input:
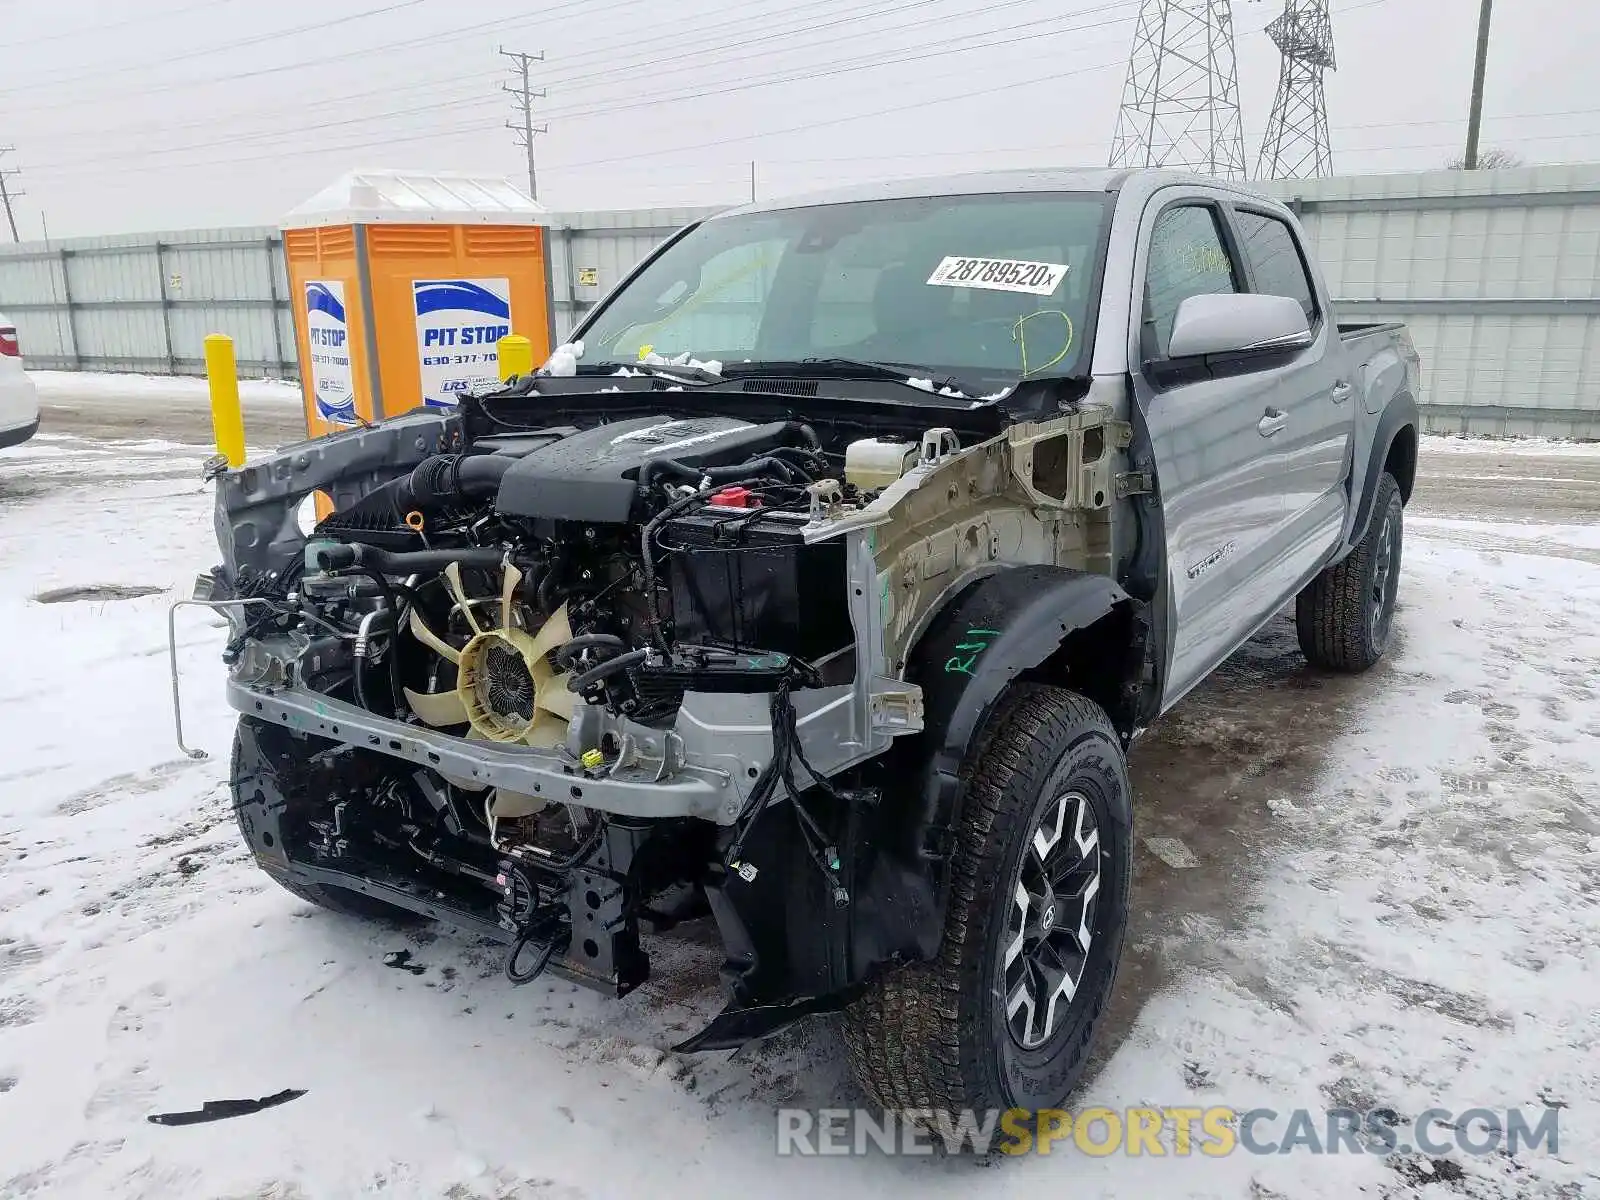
(1438, 443)
(133, 389)
(1417, 927)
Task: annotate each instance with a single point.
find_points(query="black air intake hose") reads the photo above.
(357, 554)
(454, 479)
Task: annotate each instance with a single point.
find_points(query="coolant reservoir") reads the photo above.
(873, 463)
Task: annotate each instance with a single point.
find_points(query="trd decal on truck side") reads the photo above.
(1211, 560)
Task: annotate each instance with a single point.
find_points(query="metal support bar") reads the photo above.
(1379, 204)
(567, 239)
(172, 659)
(170, 302)
(272, 291)
(130, 248)
(1487, 306)
(66, 301)
(166, 307)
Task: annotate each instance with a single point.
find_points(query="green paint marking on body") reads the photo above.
(973, 643)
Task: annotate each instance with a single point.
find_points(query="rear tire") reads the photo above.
(1344, 616)
(952, 1034)
(242, 775)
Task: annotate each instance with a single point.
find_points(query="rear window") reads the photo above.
(1269, 246)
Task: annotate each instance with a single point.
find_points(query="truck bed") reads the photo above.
(1352, 331)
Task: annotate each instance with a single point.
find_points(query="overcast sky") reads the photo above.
(168, 114)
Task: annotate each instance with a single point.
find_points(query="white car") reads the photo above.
(19, 402)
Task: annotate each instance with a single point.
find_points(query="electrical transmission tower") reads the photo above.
(522, 91)
(1296, 144)
(1180, 106)
(9, 193)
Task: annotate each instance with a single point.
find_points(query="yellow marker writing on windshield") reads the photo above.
(1016, 336)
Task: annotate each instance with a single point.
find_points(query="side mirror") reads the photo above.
(1238, 324)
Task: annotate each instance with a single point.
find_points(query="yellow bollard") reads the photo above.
(227, 419)
(516, 355)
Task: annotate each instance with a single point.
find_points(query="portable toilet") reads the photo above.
(403, 283)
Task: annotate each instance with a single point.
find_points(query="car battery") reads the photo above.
(746, 580)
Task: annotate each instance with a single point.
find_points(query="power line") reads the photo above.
(569, 67)
(645, 152)
(143, 20)
(7, 194)
(919, 53)
(522, 92)
(789, 37)
(913, 54)
(431, 40)
(211, 51)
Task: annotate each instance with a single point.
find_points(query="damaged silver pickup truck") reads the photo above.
(818, 588)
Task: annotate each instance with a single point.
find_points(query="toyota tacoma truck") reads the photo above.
(817, 588)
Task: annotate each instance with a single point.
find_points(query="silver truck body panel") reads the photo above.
(1257, 478)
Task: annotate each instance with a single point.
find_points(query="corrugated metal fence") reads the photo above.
(1496, 273)
(145, 302)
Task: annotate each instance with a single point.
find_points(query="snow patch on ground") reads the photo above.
(65, 385)
(1426, 932)
(1579, 536)
(1439, 443)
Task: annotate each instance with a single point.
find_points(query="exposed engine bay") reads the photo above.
(555, 682)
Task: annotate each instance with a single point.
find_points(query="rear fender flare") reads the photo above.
(1400, 413)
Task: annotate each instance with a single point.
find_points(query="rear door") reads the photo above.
(1309, 390)
(1219, 467)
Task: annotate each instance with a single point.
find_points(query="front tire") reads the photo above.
(1005, 1015)
(1344, 616)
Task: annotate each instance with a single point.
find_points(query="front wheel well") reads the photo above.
(1104, 661)
(1401, 461)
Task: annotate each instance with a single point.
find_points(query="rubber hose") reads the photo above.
(805, 432)
(444, 478)
(664, 466)
(350, 555)
(587, 641)
(607, 669)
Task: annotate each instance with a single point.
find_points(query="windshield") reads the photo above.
(981, 288)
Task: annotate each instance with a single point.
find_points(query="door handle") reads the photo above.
(1341, 391)
(1271, 422)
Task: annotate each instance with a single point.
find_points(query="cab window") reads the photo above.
(1188, 257)
(1279, 269)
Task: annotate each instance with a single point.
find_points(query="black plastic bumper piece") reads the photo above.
(733, 1027)
(15, 437)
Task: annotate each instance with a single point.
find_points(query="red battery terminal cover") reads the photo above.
(735, 497)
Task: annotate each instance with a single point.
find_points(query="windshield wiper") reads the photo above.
(842, 368)
(667, 371)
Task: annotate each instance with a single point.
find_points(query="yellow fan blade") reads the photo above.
(557, 631)
(452, 578)
(553, 698)
(546, 732)
(508, 589)
(437, 708)
(426, 636)
(505, 805)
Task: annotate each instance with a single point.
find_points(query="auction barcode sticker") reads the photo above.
(999, 274)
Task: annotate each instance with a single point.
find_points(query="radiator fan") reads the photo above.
(504, 687)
